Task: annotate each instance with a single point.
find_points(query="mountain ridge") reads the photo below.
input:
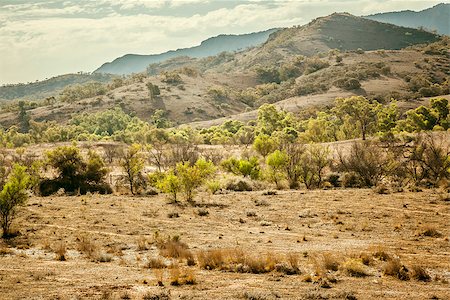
(134, 63)
(436, 18)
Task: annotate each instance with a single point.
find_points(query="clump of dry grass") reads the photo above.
(355, 268)
(87, 246)
(173, 247)
(61, 251)
(142, 243)
(155, 263)
(164, 295)
(419, 273)
(5, 251)
(380, 253)
(159, 275)
(180, 276)
(430, 232)
(395, 268)
(330, 262)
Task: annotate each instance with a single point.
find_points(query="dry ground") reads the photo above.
(342, 223)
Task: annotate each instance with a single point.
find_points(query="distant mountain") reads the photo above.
(434, 18)
(133, 63)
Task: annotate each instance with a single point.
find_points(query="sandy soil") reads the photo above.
(342, 223)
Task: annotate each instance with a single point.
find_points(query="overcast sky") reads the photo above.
(44, 38)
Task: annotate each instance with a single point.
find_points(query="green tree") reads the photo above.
(153, 90)
(193, 176)
(264, 144)
(360, 110)
(132, 163)
(24, 118)
(276, 162)
(170, 184)
(13, 194)
(68, 162)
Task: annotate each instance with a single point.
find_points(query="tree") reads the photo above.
(153, 90)
(193, 176)
(69, 164)
(312, 165)
(24, 118)
(171, 184)
(276, 162)
(292, 167)
(264, 144)
(360, 110)
(132, 163)
(13, 194)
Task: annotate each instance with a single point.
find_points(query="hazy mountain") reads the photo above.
(434, 18)
(133, 63)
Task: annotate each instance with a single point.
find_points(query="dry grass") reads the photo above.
(395, 268)
(155, 263)
(355, 268)
(430, 231)
(87, 246)
(61, 251)
(172, 247)
(419, 273)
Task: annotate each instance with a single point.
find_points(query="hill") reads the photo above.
(133, 63)
(49, 87)
(436, 18)
(340, 31)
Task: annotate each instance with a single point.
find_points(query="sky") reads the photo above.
(44, 38)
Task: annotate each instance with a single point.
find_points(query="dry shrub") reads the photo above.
(211, 259)
(103, 257)
(155, 263)
(330, 262)
(395, 268)
(175, 275)
(430, 232)
(164, 295)
(366, 258)
(142, 243)
(380, 253)
(174, 248)
(355, 268)
(159, 275)
(5, 251)
(87, 246)
(60, 251)
(419, 273)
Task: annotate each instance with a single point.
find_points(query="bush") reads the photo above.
(276, 162)
(12, 195)
(239, 185)
(74, 173)
(170, 184)
(367, 161)
(245, 167)
(193, 176)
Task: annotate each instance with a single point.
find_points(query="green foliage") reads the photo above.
(78, 92)
(12, 195)
(245, 167)
(171, 184)
(74, 172)
(312, 165)
(193, 176)
(347, 83)
(426, 118)
(264, 144)
(360, 111)
(132, 162)
(276, 162)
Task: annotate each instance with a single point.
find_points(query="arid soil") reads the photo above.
(338, 224)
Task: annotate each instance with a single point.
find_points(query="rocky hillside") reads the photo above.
(133, 63)
(435, 18)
